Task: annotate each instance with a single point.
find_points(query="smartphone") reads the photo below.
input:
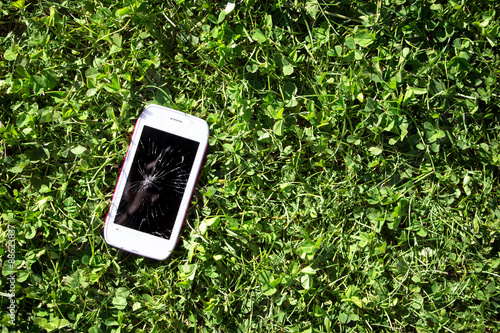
(156, 182)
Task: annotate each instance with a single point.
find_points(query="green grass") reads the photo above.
(351, 181)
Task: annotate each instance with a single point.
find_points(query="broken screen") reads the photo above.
(156, 182)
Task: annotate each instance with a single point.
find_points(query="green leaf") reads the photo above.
(433, 133)
(114, 49)
(222, 16)
(272, 112)
(122, 292)
(229, 147)
(289, 91)
(259, 36)
(111, 322)
(307, 248)
(268, 290)
(278, 127)
(428, 126)
(404, 130)
(268, 283)
(482, 296)
(343, 318)
(119, 302)
(22, 120)
(123, 11)
(422, 232)
(364, 38)
(279, 114)
(375, 151)
(51, 19)
(418, 91)
(308, 270)
(22, 276)
(31, 233)
(312, 8)
(187, 272)
(78, 150)
(117, 39)
(44, 323)
(114, 87)
(60, 323)
(50, 79)
(21, 71)
(18, 168)
(203, 228)
(229, 7)
(306, 281)
(213, 221)
(19, 4)
(335, 52)
(11, 53)
(374, 196)
(393, 141)
(287, 69)
(349, 42)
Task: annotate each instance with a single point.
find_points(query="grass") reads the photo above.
(351, 181)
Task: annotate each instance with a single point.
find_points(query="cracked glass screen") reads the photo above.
(156, 182)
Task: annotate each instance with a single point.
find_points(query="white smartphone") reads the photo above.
(156, 182)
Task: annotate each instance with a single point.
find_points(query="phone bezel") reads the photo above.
(171, 121)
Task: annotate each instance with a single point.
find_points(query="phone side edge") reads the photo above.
(119, 180)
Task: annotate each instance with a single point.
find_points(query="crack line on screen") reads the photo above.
(156, 182)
